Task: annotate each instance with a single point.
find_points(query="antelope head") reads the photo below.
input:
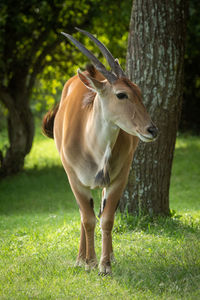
(121, 99)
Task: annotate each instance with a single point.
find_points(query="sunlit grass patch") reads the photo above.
(187, 141)
(185, 187)
(43, 153)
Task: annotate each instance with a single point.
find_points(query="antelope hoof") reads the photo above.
(91, 264)
(80, 262)
(105, 269)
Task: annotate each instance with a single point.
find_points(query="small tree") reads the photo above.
(155, 62)
(29, 37)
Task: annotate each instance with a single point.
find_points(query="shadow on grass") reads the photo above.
(175, 227)
(36, 191)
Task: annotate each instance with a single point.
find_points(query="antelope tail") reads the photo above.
(48, 122)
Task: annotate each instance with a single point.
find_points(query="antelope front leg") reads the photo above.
(107, 220)
(88, 221)
(110, 200)
(107, 252)
(86, 255)
(81, 259)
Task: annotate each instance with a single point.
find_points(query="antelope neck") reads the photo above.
(102, 133)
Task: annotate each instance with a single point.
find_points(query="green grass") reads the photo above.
(39, 236)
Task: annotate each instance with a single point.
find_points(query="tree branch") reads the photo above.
(39, 64)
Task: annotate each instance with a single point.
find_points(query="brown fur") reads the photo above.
(135, 89)
(88, 99)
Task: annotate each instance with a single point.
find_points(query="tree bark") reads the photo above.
(155, 63)
(20, 133)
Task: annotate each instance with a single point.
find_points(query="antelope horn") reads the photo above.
(100, 67)
(115, 66)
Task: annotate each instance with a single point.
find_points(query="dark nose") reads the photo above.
(153, 130)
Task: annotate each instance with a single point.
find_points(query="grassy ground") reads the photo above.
(39, 236)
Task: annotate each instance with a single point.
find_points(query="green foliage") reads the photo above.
(40, 226)
(34, 27)
(32, 47)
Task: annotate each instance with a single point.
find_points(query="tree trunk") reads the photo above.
(155, 62)
(20, 134)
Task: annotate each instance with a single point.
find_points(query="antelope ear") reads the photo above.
(91, 83)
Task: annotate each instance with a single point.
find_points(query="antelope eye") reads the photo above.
(121, 96)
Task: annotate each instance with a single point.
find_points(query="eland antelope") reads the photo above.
(96, 128)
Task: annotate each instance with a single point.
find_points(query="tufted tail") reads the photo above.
(48, 122)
